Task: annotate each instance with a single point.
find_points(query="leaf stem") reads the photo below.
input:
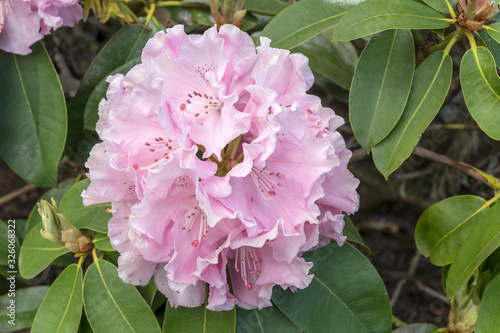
(398, 322)
(472, 41)
(82, 259)
(94, 255)
(235, 146)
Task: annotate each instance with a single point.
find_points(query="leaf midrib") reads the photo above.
(70, 298)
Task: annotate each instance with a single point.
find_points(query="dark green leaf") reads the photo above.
(112, 305)
(488, 319)
(304, 20)
(346, 294)
(27, 301)
(83, 217)
(430, 86)
(443, 227)
(8, 252)
(331, 88)
(61, 308)
(148, 291)
(373, 16)
(443, 6)
(184, 320)
(417, 328)
(381, 86)
(33, 126)
(352, 234)
(102, 243)
(492, 45)
(267, 320)
(494, 31)
(267, 7)
(481, 89)
(37, 253)
(335, 60)
(481, 242)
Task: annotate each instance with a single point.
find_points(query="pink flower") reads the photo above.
(24, 22)
(216, 160)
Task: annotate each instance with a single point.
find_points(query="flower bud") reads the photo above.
(474, 14)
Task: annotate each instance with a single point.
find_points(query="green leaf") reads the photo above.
(481, 89)
(492, 45)
(335, 60)
(304, 20)
(27, 301)
(112, 305)
(430, 86)
(83, 217)
(488, 319)
(481, 242)
(352, 234)
(267, 320)
(346, 293)
(417, 328)
(443, 6)
(10, 244)
(373, 16)
(148, 291)
(184, 320)
(331, 88)
(266, 7)
(56, 193)
(33, 126)
(494, 31)
(61, 308)
(381, 86)
(37, 253)
(443, 227)
(102, 243)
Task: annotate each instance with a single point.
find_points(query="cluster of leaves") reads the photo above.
(391, 100)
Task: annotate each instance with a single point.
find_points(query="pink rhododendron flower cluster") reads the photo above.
(218, 162)
(24, 22)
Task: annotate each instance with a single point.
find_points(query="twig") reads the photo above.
(358, 155)
(14, 194)
(430, 155)
(430, 291)
(411, 272)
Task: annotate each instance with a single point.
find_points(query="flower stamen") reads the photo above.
(196, 218)
(161, 149)
(265, 182)
(198, 104)
(247, 261)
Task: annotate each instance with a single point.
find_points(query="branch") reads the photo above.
(14, 194)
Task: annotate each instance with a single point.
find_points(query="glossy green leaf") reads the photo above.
(346, 293)
(37, 253)
(443, 6)
(381, 86)
(102, 243)
(83, 217)
(443, 227)
(33, 126)
(331, 88)
(56, 193)
(494, 31)
(267, 7)
(148, 291)
(488, 319)
(184, 320)
(27, 301)
(267, 320)
(125, 45)
(372, 16)
(304, 20)
(417, 328)
(352, 234)
(481, 89)
(335, 60)
(430, 86)
(479, 244)
(112, 305)
(61, 308)
(491, 44)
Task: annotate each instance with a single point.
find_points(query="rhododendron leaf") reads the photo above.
(492, 45)
(61, 308)
(293, 26)
(112, 305)
(125, 45)
(488, 319)
(83, 217)
(494, 31)
(352, 234)
(417, 328)
(267, 7)
(99, 92)
(373, 16)
(443, 6)
(443, 227)
(479, 244)
(266, 320)
(331, 88)
(148, 291)
(101, 242)
(481, 89)
(182, 319)
(4, 251)
(430, 86)
(346, 293)
(381, 86)
(33, 126)
(37, 253)
(335, 60)
(27, 302)
(56, 193)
